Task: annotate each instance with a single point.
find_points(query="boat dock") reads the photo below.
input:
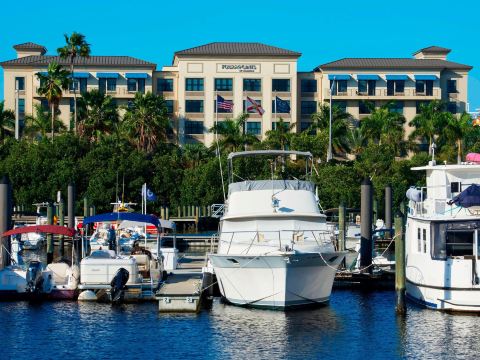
(182, 291)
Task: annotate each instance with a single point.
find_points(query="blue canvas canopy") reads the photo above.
(121, 216)
(468, 197)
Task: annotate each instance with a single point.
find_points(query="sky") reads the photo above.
(322, 31)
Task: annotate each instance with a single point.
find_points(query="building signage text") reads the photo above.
(253, 68)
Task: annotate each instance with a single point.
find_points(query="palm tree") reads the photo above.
(75, 46)
(280, 136)
(340, 125)
(7, 121)
(429, 122)
(232, 133)
(98, 115)
(456, 129)
(384, 126)
(52, 85)
(39, 125)
(146, 121)
(356, 141)
(194, 154)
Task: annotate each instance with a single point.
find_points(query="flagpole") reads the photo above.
(218, 147)
(145, 205)
(275, 105)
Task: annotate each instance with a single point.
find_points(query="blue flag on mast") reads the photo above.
(148, 194)
(281, 106)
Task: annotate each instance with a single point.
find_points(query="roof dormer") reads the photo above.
(29, 49)
(432, 52)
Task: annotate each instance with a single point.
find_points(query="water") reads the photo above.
(356, 325)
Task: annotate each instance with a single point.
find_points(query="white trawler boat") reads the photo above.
(274, 249)
(442, 238)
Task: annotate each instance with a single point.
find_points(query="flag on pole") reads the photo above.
(253, 105)
(148, 194)
(281, 106)
(224, 104)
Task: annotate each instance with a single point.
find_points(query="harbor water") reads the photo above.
(355, 325)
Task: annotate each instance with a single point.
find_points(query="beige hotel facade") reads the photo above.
(237, 70)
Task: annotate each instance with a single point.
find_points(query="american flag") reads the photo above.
(253, 105)
(224, 104)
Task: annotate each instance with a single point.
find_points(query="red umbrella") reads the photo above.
(49, 229)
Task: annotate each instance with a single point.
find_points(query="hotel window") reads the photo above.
(193, 84)
(309, 86)
(341, 105)
(306, 126)
(21, 83)
(279, 111)
(79, 85)
(395, 87)
(365, 107)
(286, 125)
(254, 127)
(396, 107)
(452, 107)
(72, 105)
(169, 106)
(252, 85)
(340, 86)
(224, 84)
(136, 85)
(420, 104)
(164, 85)
(107, 85)
(44, 104)
(194, 106)
(424, 87)
(193, 127)
(281, 85)
(367, 87)
(21, 107)
(451, 86)
(308, 107)
(251, 111)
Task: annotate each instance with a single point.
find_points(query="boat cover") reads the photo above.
(274, 185)
(49, 229)
(473, 157)
(468, 197)
(165, 224)
(121, 216)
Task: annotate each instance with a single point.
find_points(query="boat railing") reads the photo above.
(282, 239)
(432, 206)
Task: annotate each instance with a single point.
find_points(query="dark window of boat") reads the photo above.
(425, 241)
(452, 239)
(419, 240)
(455, 187)
(459, 243)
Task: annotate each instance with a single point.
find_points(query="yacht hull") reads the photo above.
(276, 281)
(445, 299)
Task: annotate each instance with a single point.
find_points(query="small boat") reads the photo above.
(100, 273)
(275, 249)
(32, 281)
(442, 238)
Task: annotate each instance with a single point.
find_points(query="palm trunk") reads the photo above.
(53, 118)
(459, 151)
(430, 145)
(74, 100)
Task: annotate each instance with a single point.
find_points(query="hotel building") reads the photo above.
(261, 72)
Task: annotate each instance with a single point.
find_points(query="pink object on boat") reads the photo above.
(473, 157)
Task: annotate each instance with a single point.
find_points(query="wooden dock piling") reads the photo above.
(61, 222)
(400, 264)
(49, 236)
(366, 245)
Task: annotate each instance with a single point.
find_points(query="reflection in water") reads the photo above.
(356, 325)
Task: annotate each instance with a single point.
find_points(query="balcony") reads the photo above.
(383, 94)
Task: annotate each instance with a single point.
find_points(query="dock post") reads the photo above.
(61, 222)
(49, 236)
(92, 210)
(5, 220)
(167, 215)
(71, 218)
(341, 227)
(85, 207)
(400, 264)
(375, 210)
(388, 209)
(162, 213)
(184, 211)
(366, 246)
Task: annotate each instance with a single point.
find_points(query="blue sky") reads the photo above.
(321, 30)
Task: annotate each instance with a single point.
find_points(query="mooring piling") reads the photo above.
(400, 264)
(388, 208)
(5, 220)
(49, 236)
(366, 246)
(71, 216)
(341, 227)
(61, 222)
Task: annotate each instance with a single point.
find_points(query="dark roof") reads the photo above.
(391, 63)
(44, 60)
(433, 49)
(238, 48)
(30, 46)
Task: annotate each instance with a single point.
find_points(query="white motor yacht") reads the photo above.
(442, 238)
(275, 250)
